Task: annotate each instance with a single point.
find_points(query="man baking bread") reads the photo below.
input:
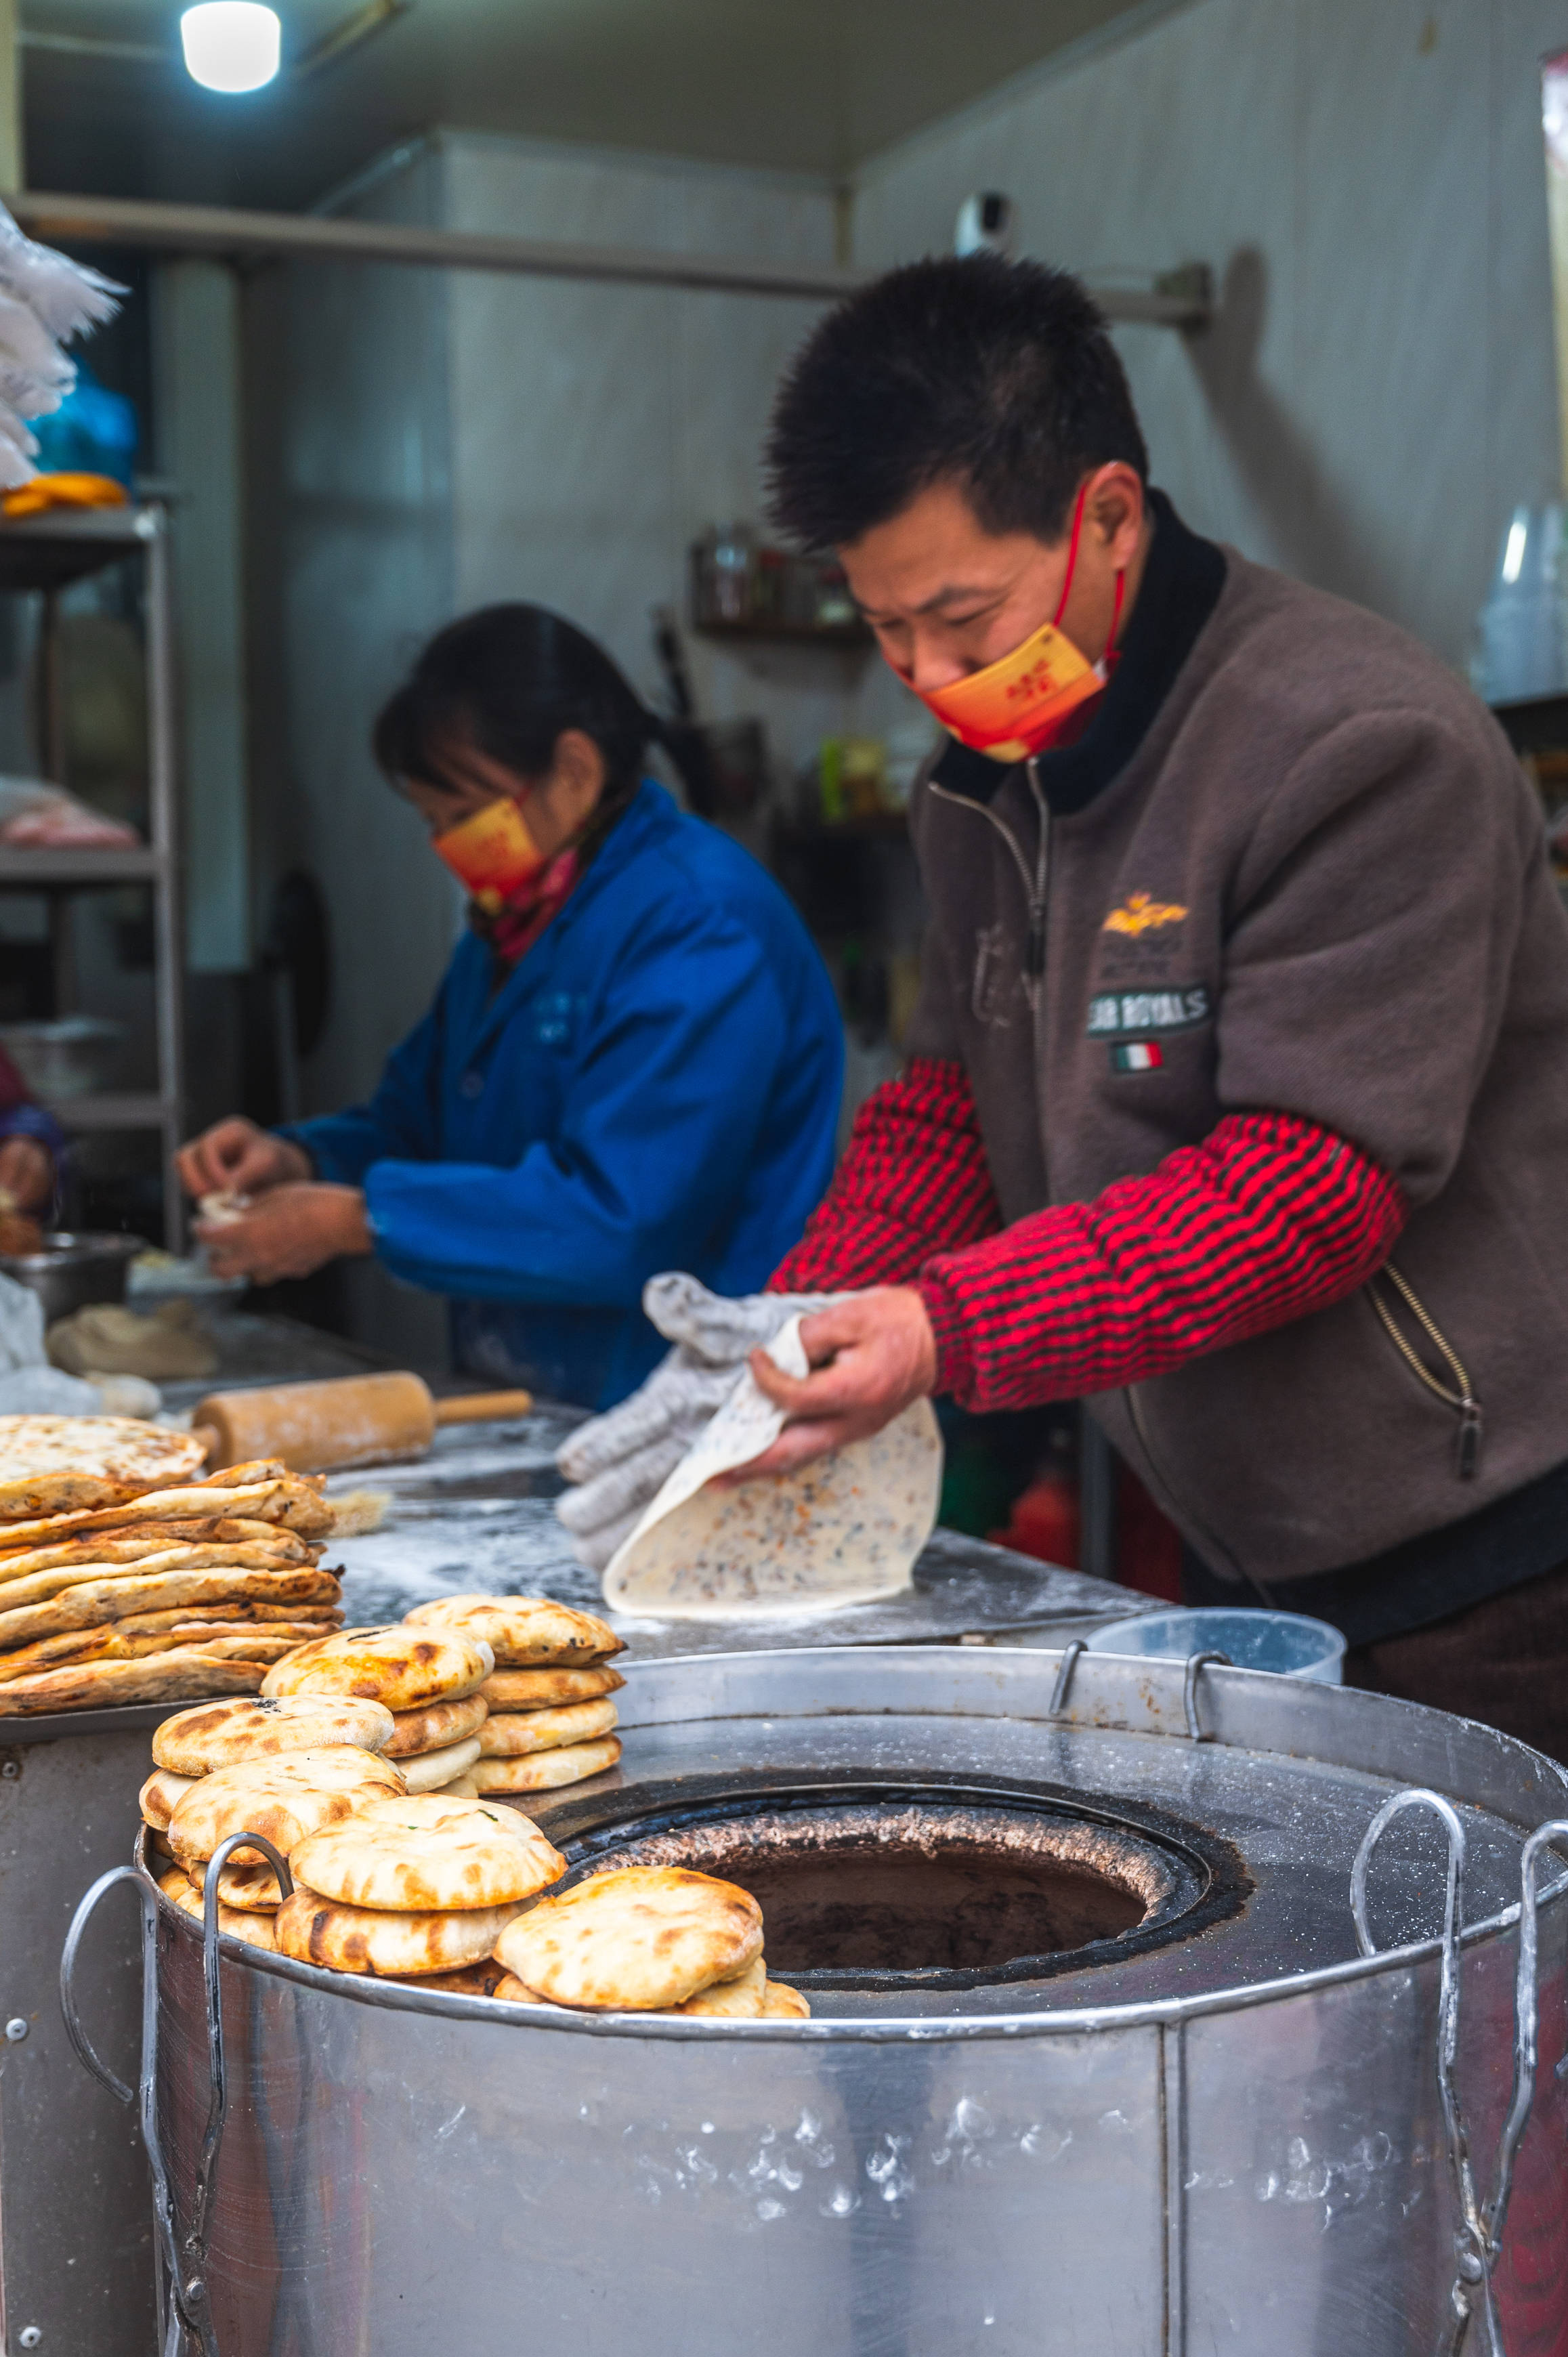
(1236, 1100)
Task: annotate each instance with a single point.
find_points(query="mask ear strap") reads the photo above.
(1072, 554)
(1112, 652)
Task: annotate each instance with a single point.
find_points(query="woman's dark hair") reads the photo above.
(998, 376)
(509, 679)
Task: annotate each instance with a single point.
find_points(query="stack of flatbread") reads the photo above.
(550, 1715)
(646, 1939)
(414, 1889)
(279, 1769)
(431, 1680)
(125, 1578)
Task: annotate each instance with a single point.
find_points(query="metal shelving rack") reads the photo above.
(44, 554)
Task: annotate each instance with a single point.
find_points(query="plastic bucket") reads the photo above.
(1286, 1642)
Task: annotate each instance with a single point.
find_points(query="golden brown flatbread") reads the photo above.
(432, 1771)
(393, 1946)
(405, 1668)
(93, 1602)
(283, 1799)
(221, 1734)
(404, 1855)
(126, 1641)
(255, 1890)
(256, 1929)
(740, 1999)
(509, 1990)
(781, 2003)
(542, 1772)
(508, 1735)
(289, 1502)
(545, 1689)
(523, 1632)
(158, 1796)
(469, 1980)
(461, 1787)
(178, 1676)
(38, 1586)
(99, 1548)
(436, 1726)
(50, 1463)
(640, 1940)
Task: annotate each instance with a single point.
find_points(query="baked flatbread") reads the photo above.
(509, 1734)
(289, 1502)
(740, 1999)
(523, 1632)
(124, 1641)
(469, 1980)
(405, 1668)
(405, 1856)
(509, 1990)
(542, 1771)
(37, 1586)
(541, 1689)
(283, 1799)
(461, 1787)
(221, 1734)
(179, 1676)
(434, 1726)
(99, 1548)
(845, 1530)
(781, 2003)
(373, 1940)
(54, 1463)
(432, 1771)
(159, 1795)
(255, 1890)
(256, 1929)
(91, 1602)
(635, 1941)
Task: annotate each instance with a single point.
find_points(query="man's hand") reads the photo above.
(290, 1231)
(26, 1173)
(235, 1158)
(871, 1355)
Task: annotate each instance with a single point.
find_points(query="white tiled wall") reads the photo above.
(1365, 177)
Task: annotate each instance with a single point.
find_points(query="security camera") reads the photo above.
(984, 224)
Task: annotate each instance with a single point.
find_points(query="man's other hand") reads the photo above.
(870, 1356)
(235, 1158)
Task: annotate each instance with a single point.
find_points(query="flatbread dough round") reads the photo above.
(178, 1887)
(283, 1800)
(542, 1771)
(374, 1940)
(433, 1771)
(509, 1734)
(58, 1464)
(221, 1734)
(436, 1726)
(638, 1940)
(543, 1689)
(450, 1856)
(405, 1668)
(159, 1796)
(782, 2003)
(524, 1631)
(740, 1999)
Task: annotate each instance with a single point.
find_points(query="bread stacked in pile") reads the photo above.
(550, 1717)
(430, 1679)
(123, 1578)
(646, 1939)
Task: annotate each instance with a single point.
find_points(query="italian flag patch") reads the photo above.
(1136, 1055)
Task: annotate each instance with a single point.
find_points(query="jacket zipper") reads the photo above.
(1460, 1393)
(1037, 888)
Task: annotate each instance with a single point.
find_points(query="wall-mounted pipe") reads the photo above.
(1181, 299)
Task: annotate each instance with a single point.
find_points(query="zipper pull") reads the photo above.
(1469, 1448)
(1036, 937)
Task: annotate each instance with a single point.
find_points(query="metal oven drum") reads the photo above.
(1135, 2029)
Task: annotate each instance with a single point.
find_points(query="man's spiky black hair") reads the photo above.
(999, 376)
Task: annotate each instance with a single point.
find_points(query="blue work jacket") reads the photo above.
(655, 1085)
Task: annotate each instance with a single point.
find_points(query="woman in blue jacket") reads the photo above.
(633, 1062)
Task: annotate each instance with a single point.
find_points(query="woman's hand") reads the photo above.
(235, 1158)
(290, 1231)
(870, 1356)
(26, 1173)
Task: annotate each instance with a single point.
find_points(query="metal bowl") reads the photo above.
(71, 1270)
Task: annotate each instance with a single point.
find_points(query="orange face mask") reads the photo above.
(492, 855)
(1025, 701)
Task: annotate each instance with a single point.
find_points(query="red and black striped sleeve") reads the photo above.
(914, 1181)
(1268, 1218)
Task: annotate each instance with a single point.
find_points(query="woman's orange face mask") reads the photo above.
(492, 852)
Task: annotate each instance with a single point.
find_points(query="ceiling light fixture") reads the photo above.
(232, 45)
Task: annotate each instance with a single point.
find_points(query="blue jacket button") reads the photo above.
(472, 1084)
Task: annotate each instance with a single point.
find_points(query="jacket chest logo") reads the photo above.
(1124, 1014)
(1141, 913)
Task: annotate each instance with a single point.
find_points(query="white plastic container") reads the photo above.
(1286, 1642)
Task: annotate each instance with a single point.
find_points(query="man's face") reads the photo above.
(946, 597)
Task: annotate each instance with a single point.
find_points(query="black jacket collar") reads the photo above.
(1180, 588)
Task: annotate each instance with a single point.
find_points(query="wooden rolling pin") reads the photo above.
(352, 1420)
